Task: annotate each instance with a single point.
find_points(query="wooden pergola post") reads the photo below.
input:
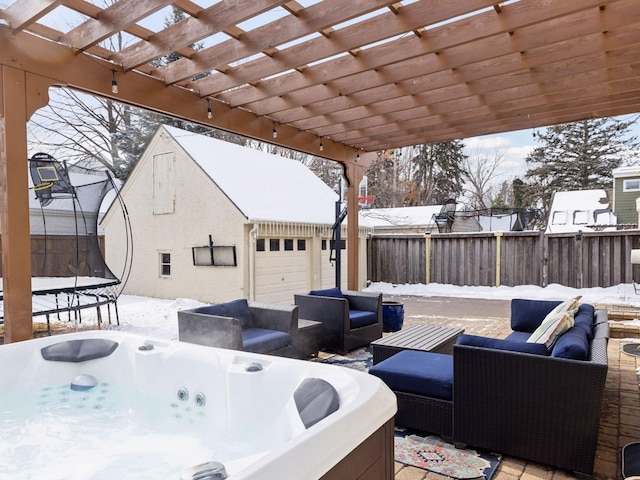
(14, 206)
(355, 173)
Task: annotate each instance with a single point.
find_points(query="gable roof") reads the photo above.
(264, 187)
(578, 210)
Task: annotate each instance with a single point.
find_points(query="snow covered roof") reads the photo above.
(263, 186)
(399, 217)
(576, 210)
(629, 171)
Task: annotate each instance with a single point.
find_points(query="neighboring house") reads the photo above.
(580, 210)
(401, 219)
(423, 219)
(215, 221)
(626, 190)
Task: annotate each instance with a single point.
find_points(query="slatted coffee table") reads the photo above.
(427, 338)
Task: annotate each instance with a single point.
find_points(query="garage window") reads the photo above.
(288, 244)
(302, 244)
(165, 264)
(274, 245)
(324, 244)
(260, 247)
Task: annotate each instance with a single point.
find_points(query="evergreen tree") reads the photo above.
(576, 156)
(385, 179)
(518, 190)
(436, 173)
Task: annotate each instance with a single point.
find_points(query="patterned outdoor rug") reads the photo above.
(430, 452)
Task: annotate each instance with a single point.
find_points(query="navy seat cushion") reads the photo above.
(422, 373)
(261, 340)
(328, 292)
(361, 318)
(527, 315)
(572, 344)
(518, 336)
(235, 309)
(511, 344)
(584, 319)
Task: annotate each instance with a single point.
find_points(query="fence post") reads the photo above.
(498, 236)
(579, 266)
(427, 258)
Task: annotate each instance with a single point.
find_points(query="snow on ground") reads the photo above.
(159, 318)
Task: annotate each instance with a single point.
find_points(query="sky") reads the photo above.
(515, 146)
(159, 318)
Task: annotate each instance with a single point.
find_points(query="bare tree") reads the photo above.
(481, 172)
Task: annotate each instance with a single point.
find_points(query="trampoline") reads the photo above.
(68, 269)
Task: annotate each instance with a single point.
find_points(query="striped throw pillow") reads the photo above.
(558, 321)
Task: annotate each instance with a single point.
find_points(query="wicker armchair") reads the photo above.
(241, 325)
(340, 313)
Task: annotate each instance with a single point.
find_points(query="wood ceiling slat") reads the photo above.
(585, 56)
(111, 20)
(511, 113)
(188, 7)
(509, 104)
(23, 13)
(366, 32)
(416, 71)
(439, 39)
(623, 107)
(310, 20)
(214, 19)
(532, 38)
(617, 81)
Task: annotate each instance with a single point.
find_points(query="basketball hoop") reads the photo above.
(365, 201)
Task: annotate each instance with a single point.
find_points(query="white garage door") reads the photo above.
(283, 268)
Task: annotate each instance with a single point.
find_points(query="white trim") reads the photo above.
(625, 182)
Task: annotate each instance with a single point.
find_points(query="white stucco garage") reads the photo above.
(215, 221)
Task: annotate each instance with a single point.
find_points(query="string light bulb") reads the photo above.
(209, 112)
(275, 132)
(114, 82)
(321, 144)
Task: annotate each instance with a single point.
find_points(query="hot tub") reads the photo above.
(104, 405)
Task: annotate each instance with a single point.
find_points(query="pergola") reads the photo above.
(341, 79)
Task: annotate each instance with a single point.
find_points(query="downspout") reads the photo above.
(253, 233)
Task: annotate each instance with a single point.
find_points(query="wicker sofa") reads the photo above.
(509, 396)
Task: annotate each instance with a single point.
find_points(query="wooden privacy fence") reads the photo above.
(63, 256)
(579, 260)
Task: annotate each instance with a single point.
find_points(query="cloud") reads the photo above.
(493, 142)
(513, 147)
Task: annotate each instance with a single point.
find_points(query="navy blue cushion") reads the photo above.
(527, 315)
(584, 319)
(235, 309)
(572, 344)
(360, 318)
(261, 340)
(422, 373)
(518, 336)
(328, 292)
(503, 344)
